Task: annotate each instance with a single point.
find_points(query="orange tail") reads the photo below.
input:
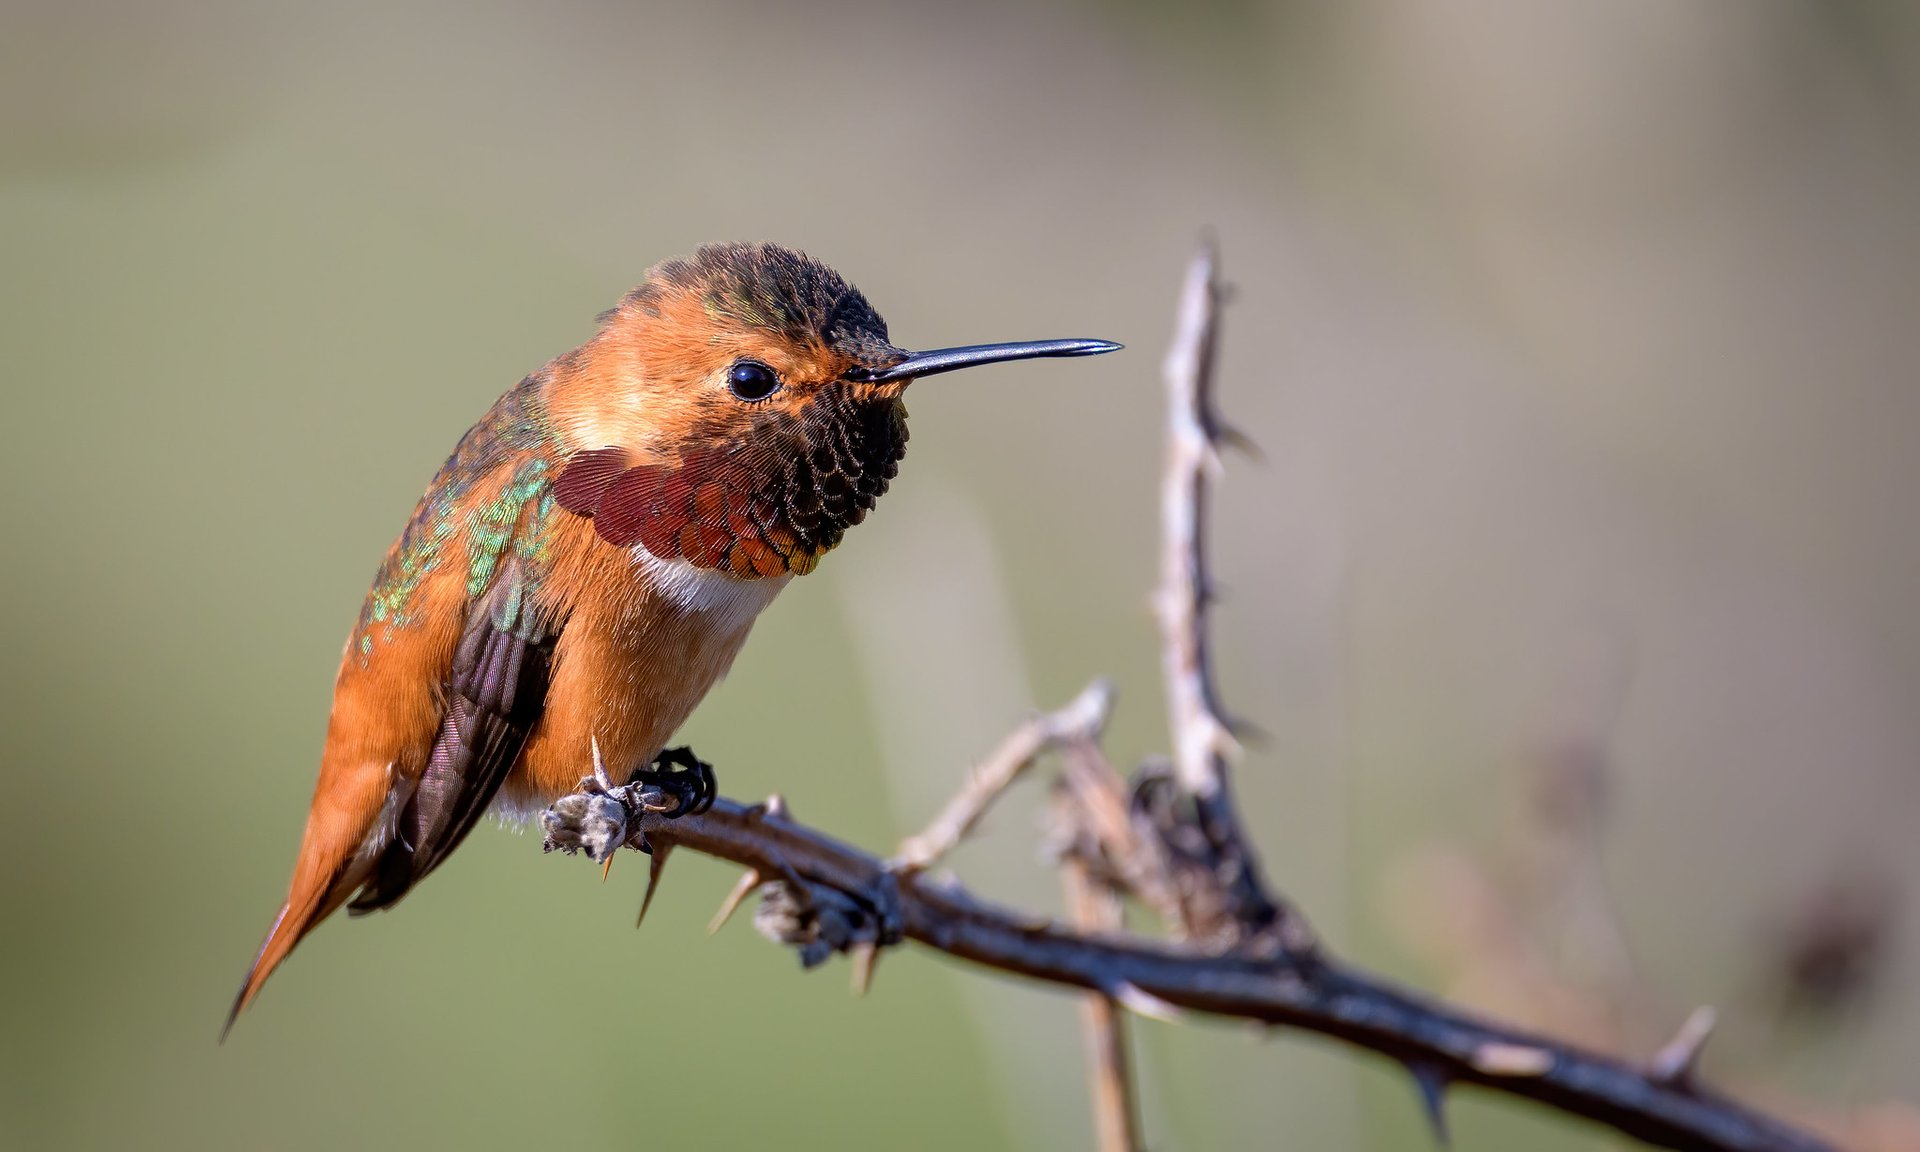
(280, 940)
(345, 806)
(298, 916)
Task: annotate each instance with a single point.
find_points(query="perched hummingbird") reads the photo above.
(589, 560)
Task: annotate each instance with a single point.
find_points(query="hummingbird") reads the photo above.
(588, 562)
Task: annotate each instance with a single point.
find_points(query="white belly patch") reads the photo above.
(727, 601)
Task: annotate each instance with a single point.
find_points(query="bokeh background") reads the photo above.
(1573, 592)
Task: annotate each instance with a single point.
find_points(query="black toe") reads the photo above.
(685, 777)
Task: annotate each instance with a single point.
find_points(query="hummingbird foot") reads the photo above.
(677, 783)
(599, 816)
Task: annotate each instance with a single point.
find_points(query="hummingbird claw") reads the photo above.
(677, 783)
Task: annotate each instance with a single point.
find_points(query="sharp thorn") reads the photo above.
(656, 864)
(607, 868)
(742, 888)
(1141, 1002)
(1432, 1081)
(1242, 732)
(775, 807)
(1675, 1063)
(866, 956)
(599, 766)
(1227, 436)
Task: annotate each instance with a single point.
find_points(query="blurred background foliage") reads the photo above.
(1574, 592)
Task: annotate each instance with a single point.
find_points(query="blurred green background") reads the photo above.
(1574, 591)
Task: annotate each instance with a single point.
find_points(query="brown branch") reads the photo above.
(1318, 995)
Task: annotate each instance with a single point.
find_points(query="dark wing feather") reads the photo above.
(496, 692)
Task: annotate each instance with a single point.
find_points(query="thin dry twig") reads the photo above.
(1082, 719)
(1095, 907)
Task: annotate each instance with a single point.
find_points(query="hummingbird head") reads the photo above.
(742, 409)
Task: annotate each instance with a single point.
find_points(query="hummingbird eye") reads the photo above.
(751, 380)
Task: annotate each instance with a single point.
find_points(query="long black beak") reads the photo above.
(940, 360)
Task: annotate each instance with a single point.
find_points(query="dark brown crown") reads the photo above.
(779, 289)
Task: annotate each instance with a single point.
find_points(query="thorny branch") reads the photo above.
(1171, 840)
(1166, 980)
(1203, 741)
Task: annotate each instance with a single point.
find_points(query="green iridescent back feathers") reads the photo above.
(451, 528)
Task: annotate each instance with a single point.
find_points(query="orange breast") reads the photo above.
(644, 641)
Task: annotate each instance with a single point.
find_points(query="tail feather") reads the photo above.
(272, 950)
(331, 866)
(289, 928)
